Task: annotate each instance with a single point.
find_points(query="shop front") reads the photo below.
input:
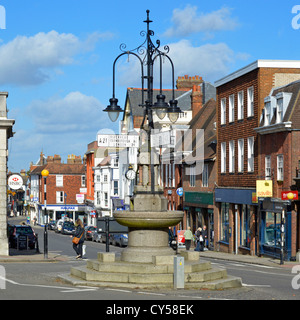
(56, 212)
(236, 221)
(275, 222)
(199, 211)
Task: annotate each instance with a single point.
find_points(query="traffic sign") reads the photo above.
(179, 191)
(118, 140)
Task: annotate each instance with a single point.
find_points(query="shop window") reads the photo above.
(224, 222)
(245, 236)
(272, 230)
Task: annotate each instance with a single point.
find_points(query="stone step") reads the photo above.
(220, 284)
(208, 275)
(127, 267)
(92, 275)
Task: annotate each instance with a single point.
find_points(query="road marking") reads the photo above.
(78, 290)
(62, 289)
(256, 285)
(237, 264)
(119, 290)
(152, 293)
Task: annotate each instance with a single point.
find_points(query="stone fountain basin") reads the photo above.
(148, 219)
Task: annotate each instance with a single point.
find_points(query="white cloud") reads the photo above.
(27, 60)
(210, 61)
(187, 21)
(61, 125)
(75, 113)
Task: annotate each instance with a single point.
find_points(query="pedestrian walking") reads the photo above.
(205, 238)
(198, 236)
(79, 233)
(188, 235)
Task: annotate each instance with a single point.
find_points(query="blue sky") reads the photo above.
(56, 59)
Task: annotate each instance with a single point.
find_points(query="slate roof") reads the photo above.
(292, 112)
(134, 97)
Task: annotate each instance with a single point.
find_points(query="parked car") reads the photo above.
(15, 231)
(119, 239)
(97, 236)
(52, 225)
(89, 231)
(59, 225)
(103, 238)
(68, 228)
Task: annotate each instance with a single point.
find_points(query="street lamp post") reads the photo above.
(45, 174)
(149, 220)
(147, 54)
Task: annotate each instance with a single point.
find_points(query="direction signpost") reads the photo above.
(118, 140)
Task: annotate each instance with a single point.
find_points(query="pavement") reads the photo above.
(31, 256)
(34, 257)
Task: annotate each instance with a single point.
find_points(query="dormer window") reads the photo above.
(267, 113)
(279, 110)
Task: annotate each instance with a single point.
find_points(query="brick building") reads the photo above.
(62, 187)
(198, 202)
(279, 138)
(240, 101)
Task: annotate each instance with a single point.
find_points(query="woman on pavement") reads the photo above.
(79, 233)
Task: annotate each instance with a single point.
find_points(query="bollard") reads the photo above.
(178, 272)
(37, 243)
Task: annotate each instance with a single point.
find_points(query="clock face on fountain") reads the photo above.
(130, 174)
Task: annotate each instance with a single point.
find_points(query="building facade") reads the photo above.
(240, 101)
(63, 189)
(279, 135)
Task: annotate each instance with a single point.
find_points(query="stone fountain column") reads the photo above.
(150, 220)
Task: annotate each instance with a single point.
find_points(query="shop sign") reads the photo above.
(180, 237)
(254, 197)
(289, 195)
(15, 182)
(264, 188)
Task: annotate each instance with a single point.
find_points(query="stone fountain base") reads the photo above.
(109, 271)
(148, 234)
(148, 261)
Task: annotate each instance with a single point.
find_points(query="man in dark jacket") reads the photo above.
(79, 233)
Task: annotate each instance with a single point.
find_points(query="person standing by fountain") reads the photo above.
(188, 235)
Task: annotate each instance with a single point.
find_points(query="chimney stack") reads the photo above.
(186, 83)
(196, 100)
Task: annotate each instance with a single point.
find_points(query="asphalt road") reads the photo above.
(38, 281)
